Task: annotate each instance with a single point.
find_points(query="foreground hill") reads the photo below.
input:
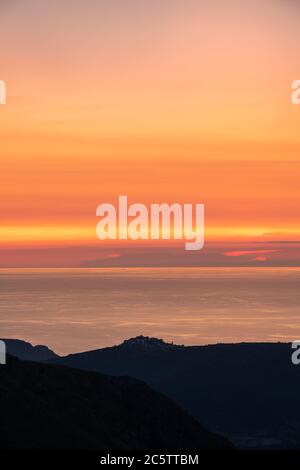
(48, 406)
(249, 392)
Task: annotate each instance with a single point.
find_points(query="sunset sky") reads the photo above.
(165, 101)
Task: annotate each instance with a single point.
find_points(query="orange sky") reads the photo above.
(173, 101)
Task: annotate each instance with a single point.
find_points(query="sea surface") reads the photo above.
(73, 310)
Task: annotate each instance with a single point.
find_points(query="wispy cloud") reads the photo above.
(249, 252)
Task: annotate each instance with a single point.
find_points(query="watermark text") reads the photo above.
(295, 97)
(2, 92)
(2, 353)
(160, 222)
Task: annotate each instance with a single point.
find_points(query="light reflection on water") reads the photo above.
(77, 309)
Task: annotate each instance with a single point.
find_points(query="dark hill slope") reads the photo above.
(49, 406)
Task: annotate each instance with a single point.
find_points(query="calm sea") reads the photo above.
(77, 309)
